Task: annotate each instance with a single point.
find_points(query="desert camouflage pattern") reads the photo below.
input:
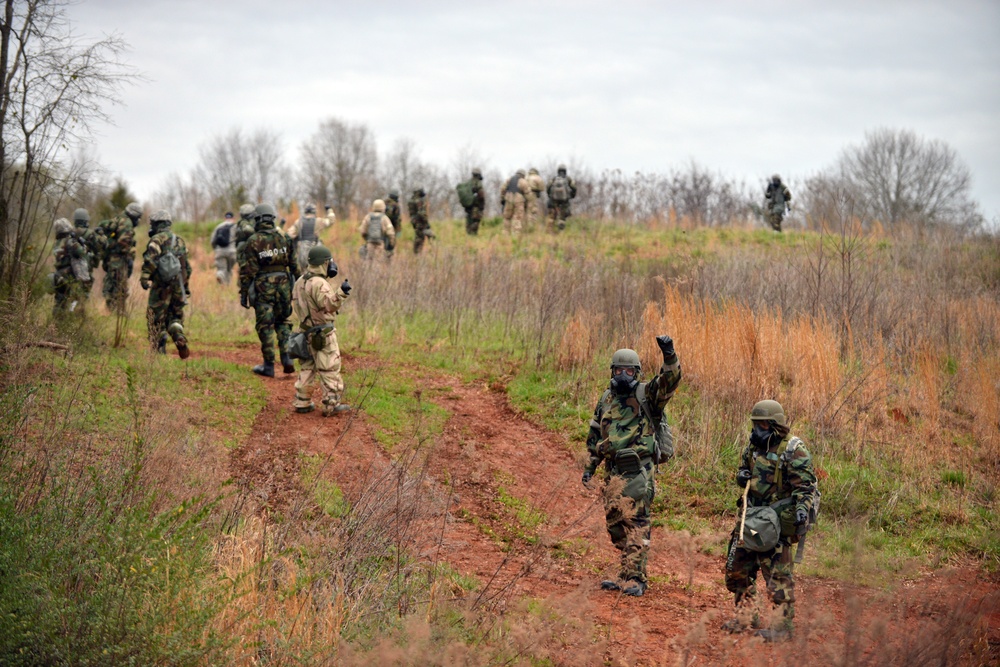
(420, 219)
(270, 266)
(798, 482)
(301, 227)
(316, 302)
(619, 424)
(513, 195)
(387, 234)
(118, 242)
(166, 299)
(533, 205)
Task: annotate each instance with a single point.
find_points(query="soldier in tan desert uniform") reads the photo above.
(304, 232)
(377, 231)
(316, 303)
(534, 203)
(513, 195)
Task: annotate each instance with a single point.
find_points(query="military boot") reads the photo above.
(635, 588)
(287, 364)
(609, 585)
(183, 351)
(336, 408)
(161, 344)
(305, 409)
(266, 369)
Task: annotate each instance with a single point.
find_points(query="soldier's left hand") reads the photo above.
(144, 283)
(346, 287)
(801, 517)
(666, 345)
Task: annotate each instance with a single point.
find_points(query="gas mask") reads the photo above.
(624, 379)
(760, 436)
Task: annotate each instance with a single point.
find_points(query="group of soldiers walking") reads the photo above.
(629, 435)
(520, 200)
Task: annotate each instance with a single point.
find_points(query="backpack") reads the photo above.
(785, 509)
(222, 236)
(466, 194)
(168, 267)
(559, 192)
(664, 449)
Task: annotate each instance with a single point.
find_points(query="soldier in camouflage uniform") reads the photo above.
(92, 242)
(224, 246)
(533, 206)
(419, 218)
(316, 303)
(474, 214)
(513, 195)
(779, 470)
(304, 232)
(624, 440)
(561, 190)
(72, 269)
(777, 200)
(118, 241)
(392, 211)
(244, 230)
(266, 284)
(167, 296)
(377, 231)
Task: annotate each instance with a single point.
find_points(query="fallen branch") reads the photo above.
(42, 344)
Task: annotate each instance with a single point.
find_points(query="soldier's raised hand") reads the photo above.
(666, 345)
(346, 287)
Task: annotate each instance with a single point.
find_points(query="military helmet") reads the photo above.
(62, 226)
(776, 179)
(770, 411)
(160, 216)
(419, 192)
(625, 358)
(80, 217)
(561, 169)
(265, 211)
(378, 206)
(310, 208)
(319, 255)
(533, 171)
(477, 172)
(519, 172)
(133, 210)
(394, 194)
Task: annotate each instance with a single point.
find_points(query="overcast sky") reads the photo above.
(743, 88)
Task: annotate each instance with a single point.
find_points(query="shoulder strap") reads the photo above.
(784, 452)
(640, 395)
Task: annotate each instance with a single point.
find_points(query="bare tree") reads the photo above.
(237, 167)
(903, 177)
(56, 86)
(339, 165)
(185, 198)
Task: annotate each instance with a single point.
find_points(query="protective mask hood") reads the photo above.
(760, 437)
(623, 385)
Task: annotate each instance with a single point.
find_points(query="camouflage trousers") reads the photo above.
(629, 527)
(117, 271)
(420, 227)
(533, 211)
(513, 215)
(776, 565)
(165, 307)
(272, 307)
(69, 297)
(225, 260)
(325, 365)
(558, 212)
(473, 216)
(774, 218)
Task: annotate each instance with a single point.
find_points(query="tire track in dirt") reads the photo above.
(488, 459)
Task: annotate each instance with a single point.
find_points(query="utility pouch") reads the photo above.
(317, 337)
(785, 509)
(627, 462)
(252, 294)
(298, 346)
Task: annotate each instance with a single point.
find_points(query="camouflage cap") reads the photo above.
(133, 210)
(62, 226)
(378, 206)
(160, 216)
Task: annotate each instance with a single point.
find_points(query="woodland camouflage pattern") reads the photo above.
(393, 213)
(619, 423)
(798, 481)
(474, 214)
(118, 237)
(270, 266)
(67, 288)
(419, 219)
(166, 299)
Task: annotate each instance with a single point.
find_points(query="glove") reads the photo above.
(586, 477)
(144, 283)
(742, 477)
(346, 287)
(666, 345)
(244, 300)
(429, 234)
(801, 516)
(331, 270)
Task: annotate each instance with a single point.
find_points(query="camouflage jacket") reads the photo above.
(267, 251)
(480, 194)
(243, 231)
(513, 187)
(793, 464)
(417, 207)
(537, 184)
(569, 181)
(165, 240)
(314, 300)
(118, 236)
(388, 232)
(66, 249)
(92, 242)
(619, 423)
(392, 211)
(319, 224)
(786, 196)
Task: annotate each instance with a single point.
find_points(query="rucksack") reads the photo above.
(786, 511)
(168, 267)
(559, 192)
(222, 236)
(466, 194)
(664, 449)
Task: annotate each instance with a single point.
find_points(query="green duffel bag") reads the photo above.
(762, 529)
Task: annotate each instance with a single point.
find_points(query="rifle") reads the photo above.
(738, 541)
(743, 520)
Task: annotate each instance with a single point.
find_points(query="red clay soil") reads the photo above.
(489, 451)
